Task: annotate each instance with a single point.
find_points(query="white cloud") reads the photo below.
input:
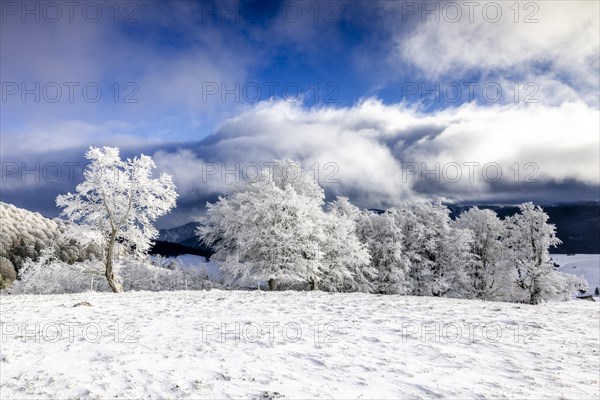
(191, 175)
(369, 145)
(563, 44)
(369, 142)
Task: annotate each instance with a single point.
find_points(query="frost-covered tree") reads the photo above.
(120, 200)
(438, 253)
(456, 264)
(529, 237)
(274, 229)
(268, 228)
(383, 237)
(489, 273)
(345, 258)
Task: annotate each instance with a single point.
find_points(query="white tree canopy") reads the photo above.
(274, 227)
(120, 195)
(269, 227)
(120, 200)
(489, 270)
(529, 237)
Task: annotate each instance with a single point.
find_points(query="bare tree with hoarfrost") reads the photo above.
(529, 237)
(274, 229)
(382, 236)
(438, 253)
(268, 228)
(490, 275)
(119, 200)
(345, 258)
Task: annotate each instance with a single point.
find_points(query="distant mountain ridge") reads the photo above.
(179, 234)
(181, 240)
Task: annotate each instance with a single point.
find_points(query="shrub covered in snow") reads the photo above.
(49, 275)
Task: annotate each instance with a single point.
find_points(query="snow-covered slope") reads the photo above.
(242, 344)
(32, 227)
(586, 266)
(23, 234)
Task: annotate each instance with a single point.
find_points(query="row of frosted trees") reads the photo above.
(278, 229)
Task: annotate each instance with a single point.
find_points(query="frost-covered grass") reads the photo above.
(240, 344)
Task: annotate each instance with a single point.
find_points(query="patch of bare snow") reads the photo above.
(241, 344)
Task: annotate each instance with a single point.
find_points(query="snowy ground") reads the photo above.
(241, 344)
(584, 265)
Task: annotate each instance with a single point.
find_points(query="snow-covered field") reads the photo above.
(584, 265)
(242, 344)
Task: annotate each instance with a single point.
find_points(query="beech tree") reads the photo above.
(438, 253)
(529, 237)
(119, 200)
(268, 228)
(383, 237)
(274, 229)
(489, 271)
(345, 258)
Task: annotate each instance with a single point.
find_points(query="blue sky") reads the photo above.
(369, 86)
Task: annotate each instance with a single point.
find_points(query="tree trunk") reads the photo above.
(534, 290)
(113, 282)
(272, 284)
(313, 284)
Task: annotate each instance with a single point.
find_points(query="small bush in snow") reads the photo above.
(49, 275)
